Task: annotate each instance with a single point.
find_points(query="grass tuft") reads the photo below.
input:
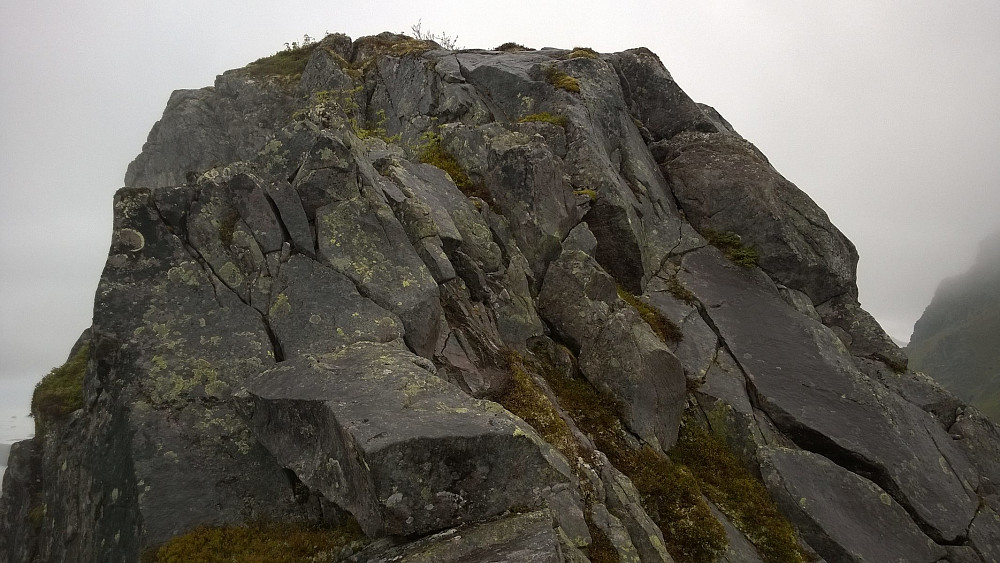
(60, 392)
(665, 329)
(287, 64)
(260, 543)
(732, 246)
(582, 52)
(511, 46)
(559, 79)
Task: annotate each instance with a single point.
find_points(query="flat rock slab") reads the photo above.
(527, 538)
(405, 452)
(805, 380)
(842, 516)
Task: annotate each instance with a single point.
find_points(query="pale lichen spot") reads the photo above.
(886, 499)
(131, 239)
(803, 502)
(315, 319)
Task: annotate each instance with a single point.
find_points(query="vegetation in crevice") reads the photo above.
(592, 194)
(664, 329)
(737, 493)
(669, 493)
(559, 79)
(732, 246)
(260, 543)
(526, 399)
(436, 155)
(545, 117)
(60, 392)
(677, 289)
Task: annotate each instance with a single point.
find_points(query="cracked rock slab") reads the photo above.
(370, 428)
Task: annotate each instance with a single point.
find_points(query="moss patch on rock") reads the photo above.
(288, 64)
(732, 246)
(664, 329)
(434, 154)
(60, 392)
(737, 493)
(559, 79)
(260, 543)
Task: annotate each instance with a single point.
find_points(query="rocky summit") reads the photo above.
(376, 300)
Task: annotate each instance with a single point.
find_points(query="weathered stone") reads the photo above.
(804, 379)
(862, 334)
(625, 502)
(984, 533)
(724, 184)
(738, 548)
(616, 534)
(618, 351)
(842, 516)
(362, 239)
(525, 537)
(316, 309)
(567, 508)
(405, 452)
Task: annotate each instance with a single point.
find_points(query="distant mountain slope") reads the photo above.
(957, 340)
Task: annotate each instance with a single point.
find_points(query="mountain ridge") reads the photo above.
(380, 285)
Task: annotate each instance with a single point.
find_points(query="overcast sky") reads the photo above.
(885, 113)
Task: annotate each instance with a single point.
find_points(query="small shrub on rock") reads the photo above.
(732, 246)
(510, 46)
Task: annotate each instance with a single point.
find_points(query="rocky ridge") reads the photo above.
(469, 301)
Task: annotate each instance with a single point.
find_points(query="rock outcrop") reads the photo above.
(472, 303)
(957, 339)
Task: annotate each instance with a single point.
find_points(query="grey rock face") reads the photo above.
(403, 451)
(845, 517)
(300, 321)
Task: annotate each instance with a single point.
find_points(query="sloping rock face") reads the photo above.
(957, 339)
(328, 285)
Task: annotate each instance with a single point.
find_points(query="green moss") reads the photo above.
(408, 47)
(740, 496)
(36, 515)
(60, 392)
(670, 495)
(582, 52)
(227, 226)
(260, 543)
(732, 246)
(559, 79)
(434, 154)
(665, 329)
(592, 194)
(545, 117)
(287, 64)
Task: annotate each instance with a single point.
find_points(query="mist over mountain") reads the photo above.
(957, 339)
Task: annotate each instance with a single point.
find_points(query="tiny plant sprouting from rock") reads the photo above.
(732, 246)
(545, 117)
(446, 41)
